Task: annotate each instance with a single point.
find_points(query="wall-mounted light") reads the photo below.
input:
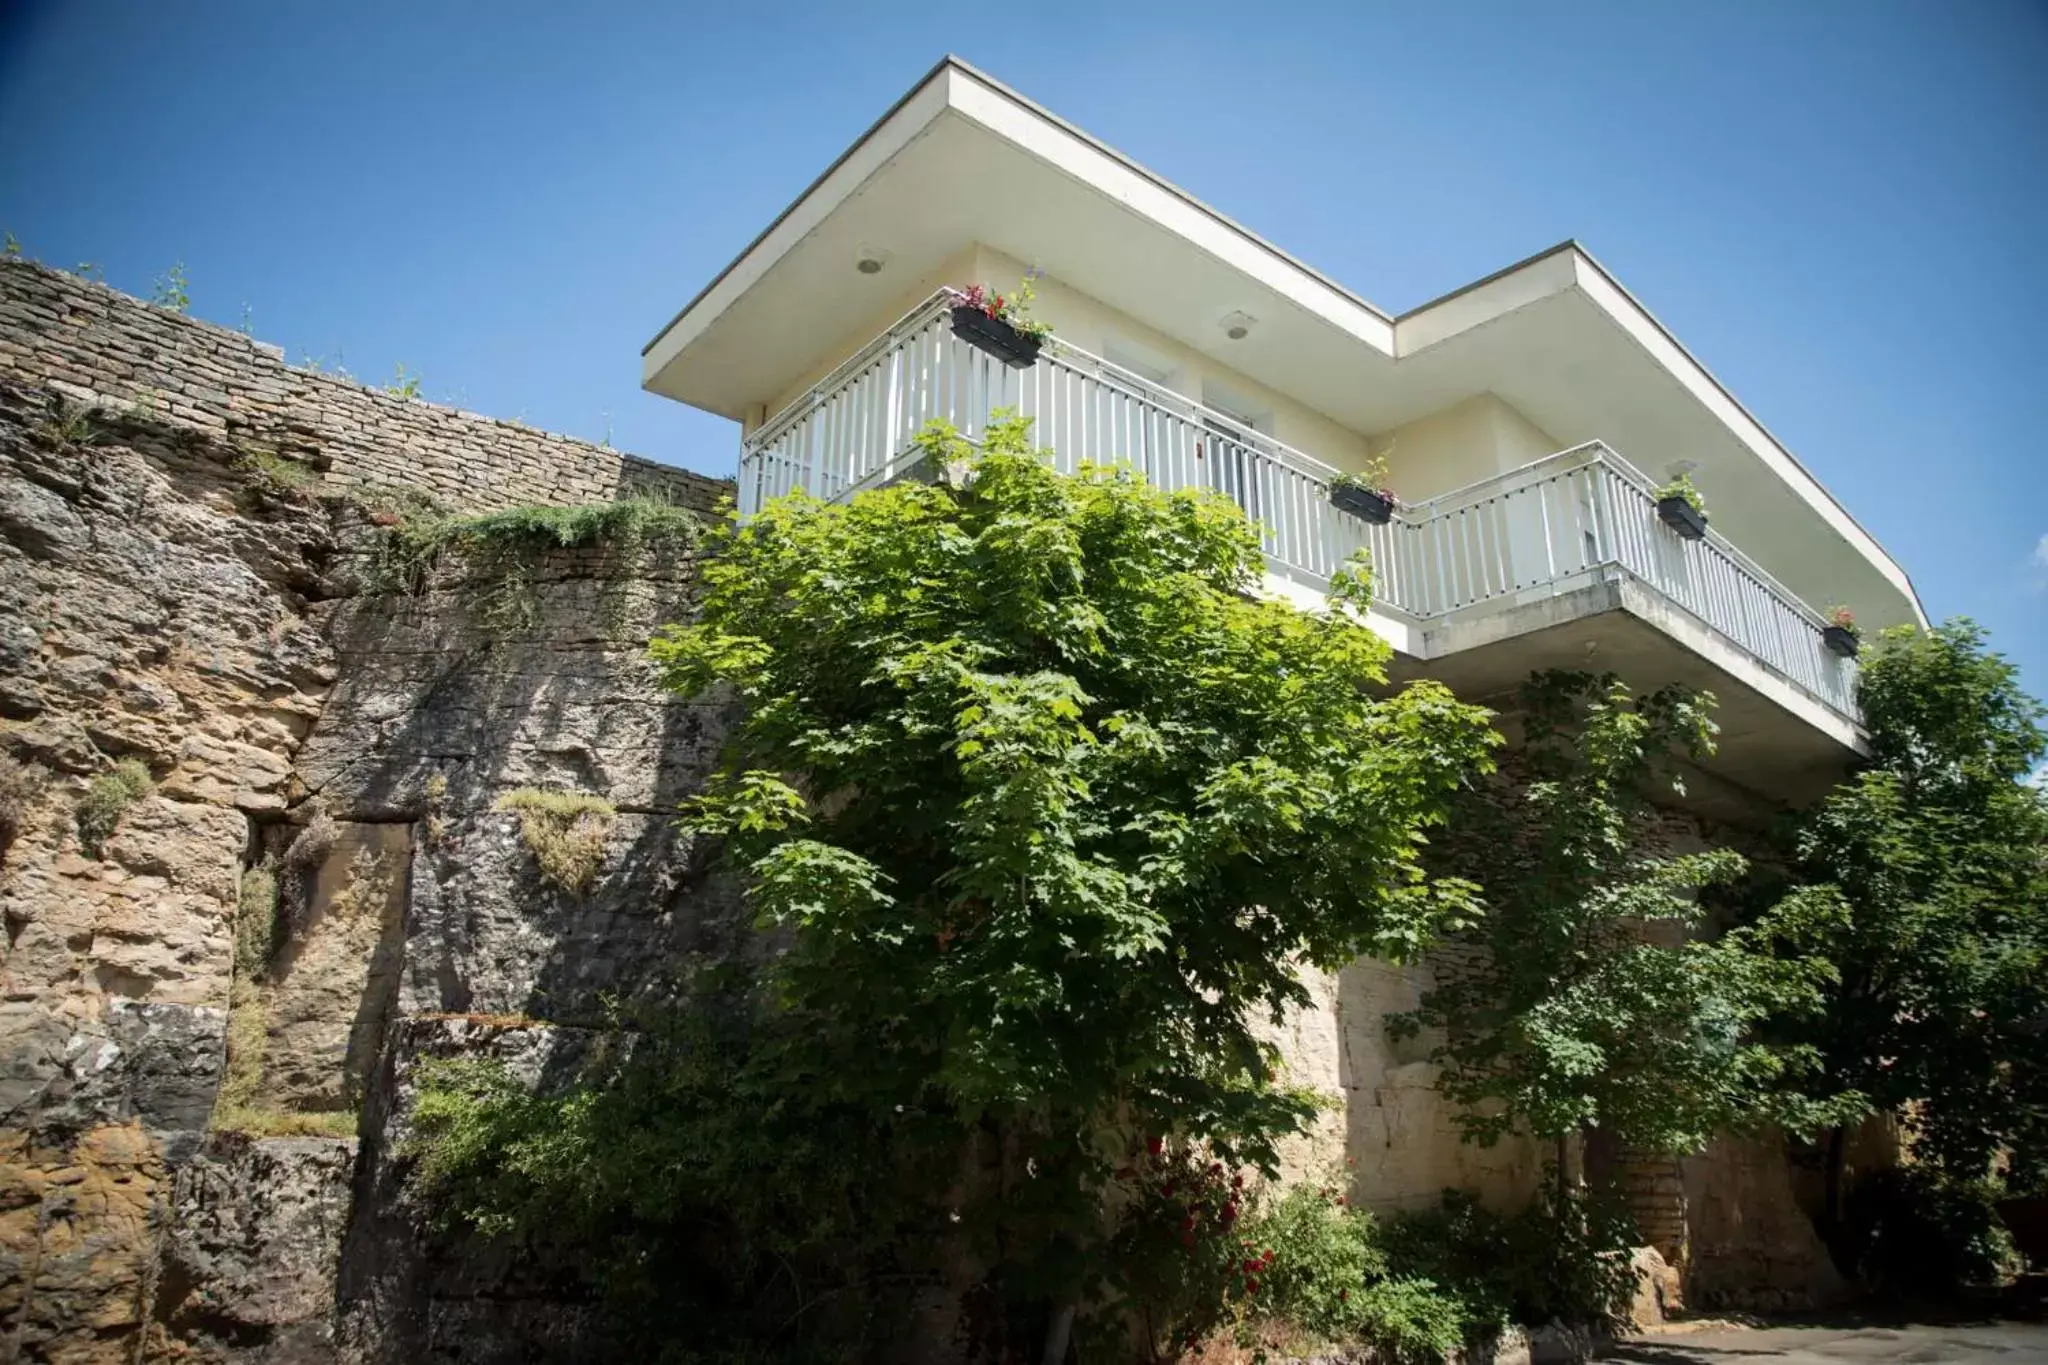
(1238, 326)
(869, 260)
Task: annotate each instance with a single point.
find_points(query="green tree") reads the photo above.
(1599, 996)
(1937, 847)
(1043, 806)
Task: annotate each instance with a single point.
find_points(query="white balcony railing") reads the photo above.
(1567, 521)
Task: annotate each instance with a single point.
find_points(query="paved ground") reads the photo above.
(2006, 1343)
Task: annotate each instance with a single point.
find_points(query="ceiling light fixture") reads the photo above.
(1238, 326)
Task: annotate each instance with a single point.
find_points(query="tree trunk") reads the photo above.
(1057, 1333)
(1831, 1199)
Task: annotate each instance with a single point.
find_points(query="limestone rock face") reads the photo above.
(252, 1237)
(149, 609)
(179, 1095)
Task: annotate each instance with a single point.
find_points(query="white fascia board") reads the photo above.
(1154, 200)
(897, 130)
(1496, 296)
(1620, 306)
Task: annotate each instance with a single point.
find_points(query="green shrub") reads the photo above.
(1409, 1319)
(1186, 1256)
(1327, 1276)
(1547, 1263)
(565, 831)
(106, 799)
(1915, 1231)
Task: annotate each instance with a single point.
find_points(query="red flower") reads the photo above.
(1342, 1201)
(1251, 1286)
(1155, 1145)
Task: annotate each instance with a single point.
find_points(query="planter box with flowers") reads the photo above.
(1000, 324)
(1680, 506)
(1841, 634)
(1365, 495)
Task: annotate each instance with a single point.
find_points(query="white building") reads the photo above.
(1527, 419)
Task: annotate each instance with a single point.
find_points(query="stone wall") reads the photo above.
(151, 608)
(1725, 1222)
(185, 1120)
(103, 349)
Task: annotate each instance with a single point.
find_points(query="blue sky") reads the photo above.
(1838, 206)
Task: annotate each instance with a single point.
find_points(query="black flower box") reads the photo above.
(1363, 503)
(1840, 640)
(1681, 516)
(995, 336)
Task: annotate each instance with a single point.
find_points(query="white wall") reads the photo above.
(1458, 445)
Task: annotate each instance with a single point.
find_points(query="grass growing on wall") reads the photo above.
(256, 920)
(500, 548)
(107, 798)
(565, 831)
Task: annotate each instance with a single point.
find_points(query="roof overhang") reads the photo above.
(962, 161)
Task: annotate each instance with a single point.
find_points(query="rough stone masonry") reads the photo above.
(168, 595)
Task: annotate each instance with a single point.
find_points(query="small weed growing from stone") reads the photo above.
(565, 831)
(310, 847)
(404, 384)
(171, 291)
(273, 473)
(437, 802)
(69, 425)
(106, 799)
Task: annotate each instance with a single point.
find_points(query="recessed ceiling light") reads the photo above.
(869, 260)
(1238, 326)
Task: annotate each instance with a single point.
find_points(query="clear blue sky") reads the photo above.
(1839, 206)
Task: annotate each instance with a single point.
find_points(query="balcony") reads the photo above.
(1477, 586)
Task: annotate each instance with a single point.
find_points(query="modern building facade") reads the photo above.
(1526, 420)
